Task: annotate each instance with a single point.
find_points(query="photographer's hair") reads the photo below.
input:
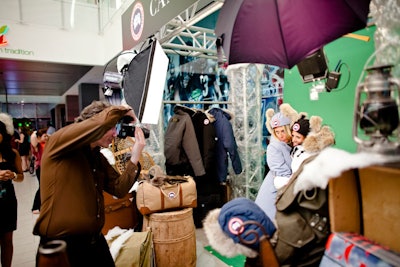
(91, 110)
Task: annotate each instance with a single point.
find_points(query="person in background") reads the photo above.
(10, 170)
(50, 128)
(74, 175)
(38, 142)
(15, 136)
(278, 155)
(24, 147)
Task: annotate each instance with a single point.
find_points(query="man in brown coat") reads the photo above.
(74, 175)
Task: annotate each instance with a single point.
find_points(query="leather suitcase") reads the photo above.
(119, 212)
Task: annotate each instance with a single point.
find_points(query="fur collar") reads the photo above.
(108, 154)
(331, 162)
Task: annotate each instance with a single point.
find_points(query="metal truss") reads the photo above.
(182, 37)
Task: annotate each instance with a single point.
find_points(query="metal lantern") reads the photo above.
(377, 112)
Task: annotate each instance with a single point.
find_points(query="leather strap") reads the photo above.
(267, 253)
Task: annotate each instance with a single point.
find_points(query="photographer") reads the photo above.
(74, 175)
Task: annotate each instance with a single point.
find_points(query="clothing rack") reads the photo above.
(196, 102)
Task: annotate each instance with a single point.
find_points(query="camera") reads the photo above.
(126, 128)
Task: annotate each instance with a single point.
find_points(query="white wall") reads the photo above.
(38, 43)
(37, 34)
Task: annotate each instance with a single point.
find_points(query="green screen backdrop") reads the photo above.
(336, 107)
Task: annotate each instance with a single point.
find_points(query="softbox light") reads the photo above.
(144, 82)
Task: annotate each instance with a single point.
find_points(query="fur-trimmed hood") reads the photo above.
(228, 229)
(319, 137)
(222, 242)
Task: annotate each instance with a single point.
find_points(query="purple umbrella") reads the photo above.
(283, 32)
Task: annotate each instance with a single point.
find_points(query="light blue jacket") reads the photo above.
(279, 162)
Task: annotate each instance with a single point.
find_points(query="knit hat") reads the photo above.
(224, 230)
(286, 116)
(279, 120)
(302, 126)
(8, 122)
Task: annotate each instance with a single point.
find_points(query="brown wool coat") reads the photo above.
(73, 178)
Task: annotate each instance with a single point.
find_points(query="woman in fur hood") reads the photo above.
(278, 154)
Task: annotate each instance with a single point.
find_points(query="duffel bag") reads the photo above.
(161, 192)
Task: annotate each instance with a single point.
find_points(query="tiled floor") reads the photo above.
(25, 243)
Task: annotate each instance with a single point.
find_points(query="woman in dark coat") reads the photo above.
(10, 171)
(24, 147)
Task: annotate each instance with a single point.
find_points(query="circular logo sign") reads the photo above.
(296, 127)
(274, 122)
(235, 226)
(137, 21)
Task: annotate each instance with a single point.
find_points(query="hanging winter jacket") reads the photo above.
(206, 139)
(226, 144)
(181, 150)
(208, 186)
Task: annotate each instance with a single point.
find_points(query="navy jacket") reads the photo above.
(226, 144)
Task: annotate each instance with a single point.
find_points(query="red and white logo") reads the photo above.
(274, 122)
(234, 225)
(296, 127)
(137, 21)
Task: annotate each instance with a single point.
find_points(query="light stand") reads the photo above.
(376, 112)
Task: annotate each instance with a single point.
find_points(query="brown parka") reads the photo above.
(74, 176)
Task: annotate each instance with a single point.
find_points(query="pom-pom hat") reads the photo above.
(302, 126)
(286, 116)
(279, 120)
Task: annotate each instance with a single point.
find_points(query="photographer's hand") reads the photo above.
(137, 148)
